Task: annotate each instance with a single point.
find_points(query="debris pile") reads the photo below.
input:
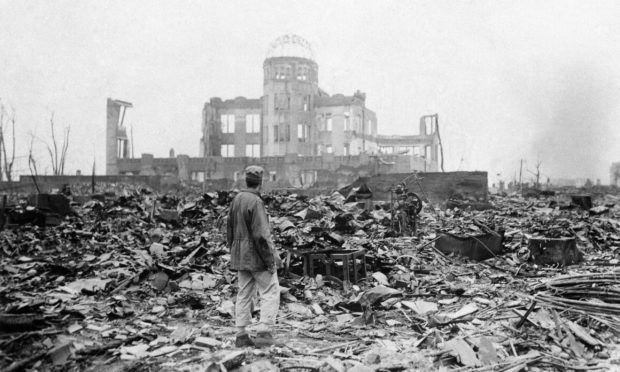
(139, 281)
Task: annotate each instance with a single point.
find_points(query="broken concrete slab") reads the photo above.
(552, 251)
(438, 186)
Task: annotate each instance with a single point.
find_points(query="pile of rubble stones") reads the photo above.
(135, 280)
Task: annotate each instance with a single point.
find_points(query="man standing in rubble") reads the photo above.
(253, 256)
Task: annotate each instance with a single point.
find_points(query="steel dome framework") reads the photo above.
(290, 45)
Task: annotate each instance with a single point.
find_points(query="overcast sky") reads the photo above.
(538, 80)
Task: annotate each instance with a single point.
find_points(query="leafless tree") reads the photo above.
(32, 165)
(537, 174)
(58, 152)
(6, 163)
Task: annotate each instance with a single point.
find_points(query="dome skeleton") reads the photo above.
(290, 45)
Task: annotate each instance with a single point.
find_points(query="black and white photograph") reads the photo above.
(309, 186)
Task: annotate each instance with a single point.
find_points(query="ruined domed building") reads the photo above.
(294, 116)
(302, 135)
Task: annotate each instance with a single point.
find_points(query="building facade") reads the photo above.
(301, 135)
(295, 116)
(614, 174)
(424, 148)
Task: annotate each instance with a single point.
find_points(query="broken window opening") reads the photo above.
(303, 132)
(228, 123)
(328, 123)
(252, 150)
(227, 151)
(308, 177)
(429, 125)
(122, 148)
(252, 123)
(198, 176)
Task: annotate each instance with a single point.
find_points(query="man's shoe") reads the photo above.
(244, 341)
(264, 339)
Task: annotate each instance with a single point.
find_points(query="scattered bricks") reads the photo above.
(551, 251)
(477, 248)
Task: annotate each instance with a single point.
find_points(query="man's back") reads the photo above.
(248, 233)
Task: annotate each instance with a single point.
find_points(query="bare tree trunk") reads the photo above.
(2, 113)
(8, 162)
(538, 175)
(9, 168)
(33, 167)
(55, 160)
(58, 160)
(65, 147)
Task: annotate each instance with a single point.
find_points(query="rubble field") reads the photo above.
(137, 281)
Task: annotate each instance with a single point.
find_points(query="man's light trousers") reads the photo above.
(269, 291)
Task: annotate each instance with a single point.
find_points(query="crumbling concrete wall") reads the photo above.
(183, 167)
(49, 183)
(438, 187)
(290, 170)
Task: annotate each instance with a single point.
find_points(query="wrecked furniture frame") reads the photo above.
(340, 266)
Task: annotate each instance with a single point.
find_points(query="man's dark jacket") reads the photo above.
(249, 234)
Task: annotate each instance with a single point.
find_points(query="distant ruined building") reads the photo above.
(299, 133)
(614, 174)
